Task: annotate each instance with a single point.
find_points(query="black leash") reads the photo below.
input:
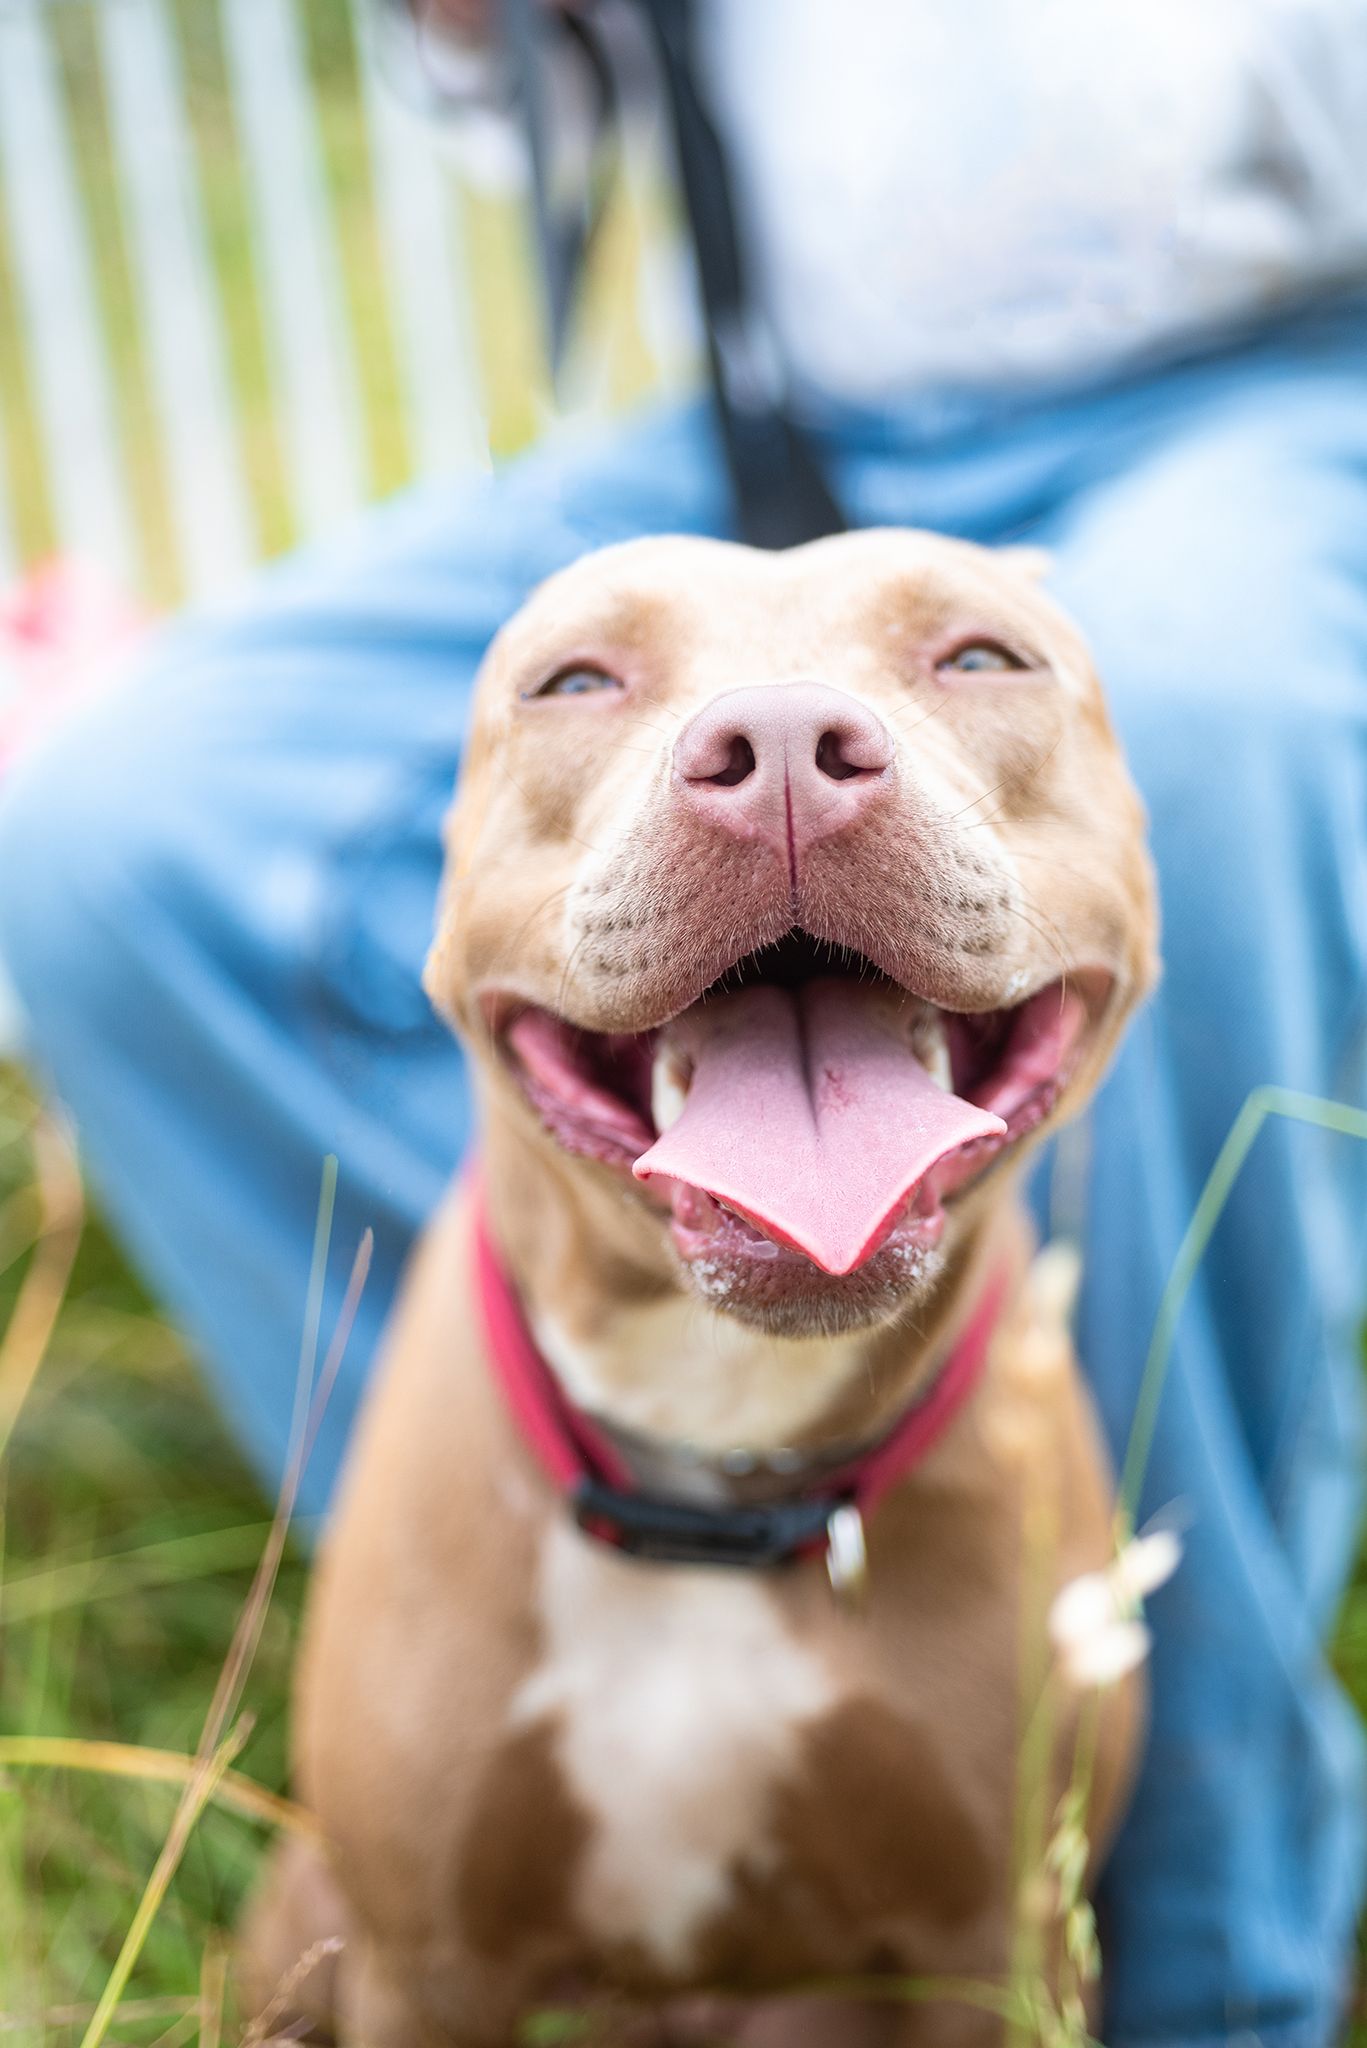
(781, 496)
(567, 201)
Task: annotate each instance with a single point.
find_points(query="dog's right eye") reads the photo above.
(980, 657)
(578, 681)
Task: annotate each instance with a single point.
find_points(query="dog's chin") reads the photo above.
(780, 1293)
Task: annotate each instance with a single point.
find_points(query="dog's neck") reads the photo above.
(700, 1404)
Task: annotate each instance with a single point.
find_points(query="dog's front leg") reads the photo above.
(290, 1949)
(380, 2004)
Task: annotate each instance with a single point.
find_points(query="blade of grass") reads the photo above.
(47, 1588)
(213, 1988)
(242, 1650)
(1262, 1103)
(21, 1218)
(133, 2011)
(203, 1783)
(239, 1794)
(181, 2031)
(43, 1288)
(246, 1636)
(307, 1963)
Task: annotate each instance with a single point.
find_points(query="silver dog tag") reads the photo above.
(847, 1557)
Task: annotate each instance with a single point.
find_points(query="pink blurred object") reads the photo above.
(63, 632)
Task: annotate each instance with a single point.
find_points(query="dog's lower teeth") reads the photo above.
(668, 1090)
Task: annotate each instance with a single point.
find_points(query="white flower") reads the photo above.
(1147, 1562)
(1107, 1654)
(1094, 1622)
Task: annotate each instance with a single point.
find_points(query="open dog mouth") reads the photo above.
(804, 1103)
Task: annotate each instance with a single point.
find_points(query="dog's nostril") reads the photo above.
(831, 759)
(740, 763)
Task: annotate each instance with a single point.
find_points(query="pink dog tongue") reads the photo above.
(809, 1112)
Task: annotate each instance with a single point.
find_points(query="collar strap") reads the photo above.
(582, 1463)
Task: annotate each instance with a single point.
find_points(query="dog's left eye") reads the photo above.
(579, 681)
(980, 657)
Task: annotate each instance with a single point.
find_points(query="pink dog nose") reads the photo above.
(790, 762)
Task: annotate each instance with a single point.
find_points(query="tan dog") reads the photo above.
(789, 898)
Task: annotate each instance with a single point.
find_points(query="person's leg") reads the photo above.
(219, 885)
(1222, 580)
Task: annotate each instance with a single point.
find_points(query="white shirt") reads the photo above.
(944, 194)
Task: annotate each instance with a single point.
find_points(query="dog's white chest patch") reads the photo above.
(677, 1696)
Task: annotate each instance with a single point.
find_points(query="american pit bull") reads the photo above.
(666, 1653)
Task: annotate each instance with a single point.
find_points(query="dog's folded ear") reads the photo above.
(1034, 563)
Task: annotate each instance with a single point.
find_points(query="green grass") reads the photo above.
(131, 1530)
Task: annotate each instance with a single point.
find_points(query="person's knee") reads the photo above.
(1219, 597)
(1228, 619)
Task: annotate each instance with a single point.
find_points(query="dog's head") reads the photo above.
(799, 892)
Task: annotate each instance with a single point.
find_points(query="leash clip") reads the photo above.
(847, 1556)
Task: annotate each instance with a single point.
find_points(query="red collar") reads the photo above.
(586, 1467)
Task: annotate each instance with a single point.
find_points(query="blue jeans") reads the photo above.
(219, 887)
